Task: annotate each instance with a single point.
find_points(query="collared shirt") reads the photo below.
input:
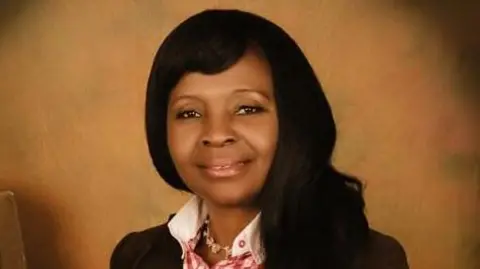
(186, 225)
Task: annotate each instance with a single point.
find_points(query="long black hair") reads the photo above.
(312, 215)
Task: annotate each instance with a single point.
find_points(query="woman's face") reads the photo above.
(222, 131)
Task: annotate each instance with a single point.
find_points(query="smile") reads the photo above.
(224, 170)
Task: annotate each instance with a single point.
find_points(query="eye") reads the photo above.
(245, 110)
(187, 114)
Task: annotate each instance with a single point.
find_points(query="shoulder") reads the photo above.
(138, 246)
(383, 252)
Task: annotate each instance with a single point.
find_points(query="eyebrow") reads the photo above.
(237, 91)
(184, 96)
(260, 92)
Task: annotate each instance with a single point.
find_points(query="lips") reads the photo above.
(224, 168)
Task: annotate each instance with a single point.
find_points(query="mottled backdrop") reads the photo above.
(402, 77)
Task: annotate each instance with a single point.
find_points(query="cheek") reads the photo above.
(263, 137)
(270, 144)
(181, 142)
(271, 134)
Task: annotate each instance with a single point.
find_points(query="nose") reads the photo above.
(218, 132)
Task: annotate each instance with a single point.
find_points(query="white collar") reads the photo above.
(186, 224)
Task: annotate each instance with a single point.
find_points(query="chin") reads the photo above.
(231, 200)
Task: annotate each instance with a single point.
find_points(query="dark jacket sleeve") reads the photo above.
(394, 256)
(383, 252)
(124, 255)
(147, 249)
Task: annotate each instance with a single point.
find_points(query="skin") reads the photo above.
(222, 135)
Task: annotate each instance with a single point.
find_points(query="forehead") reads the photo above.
(250, 72)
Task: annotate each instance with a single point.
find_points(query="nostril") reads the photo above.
(229, 141)
(220, 142)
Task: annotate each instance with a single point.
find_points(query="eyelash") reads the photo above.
(252, 109)
(188, 114)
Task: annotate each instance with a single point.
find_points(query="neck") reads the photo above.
(227, 223)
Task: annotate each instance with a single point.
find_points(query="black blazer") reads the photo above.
(155, 248)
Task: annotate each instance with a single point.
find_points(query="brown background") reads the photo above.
(400, 76)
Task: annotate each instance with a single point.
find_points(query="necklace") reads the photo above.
(212, 245)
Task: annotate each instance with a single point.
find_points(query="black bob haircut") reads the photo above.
(312, 215)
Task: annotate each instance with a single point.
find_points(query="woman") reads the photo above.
(236, 116)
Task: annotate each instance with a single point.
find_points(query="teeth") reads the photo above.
(221, 167)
